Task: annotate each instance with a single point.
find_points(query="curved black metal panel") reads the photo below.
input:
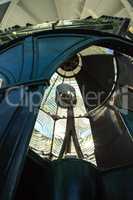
(96, 79)
(16, 124)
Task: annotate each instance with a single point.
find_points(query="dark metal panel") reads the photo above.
(113, 143)
(16, 62)
(96, 77)
(125, 92)
(125, 64)
(18, 121)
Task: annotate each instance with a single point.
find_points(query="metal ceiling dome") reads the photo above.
(35, 12)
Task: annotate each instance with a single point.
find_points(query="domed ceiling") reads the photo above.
(38, 11)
